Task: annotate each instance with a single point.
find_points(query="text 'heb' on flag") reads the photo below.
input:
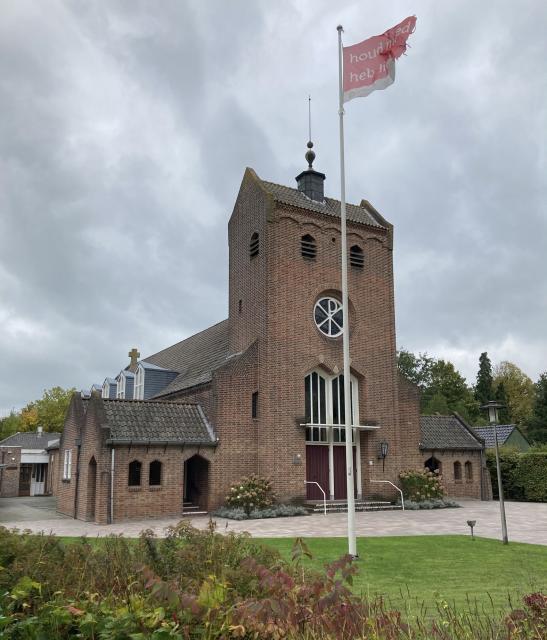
(370, 65)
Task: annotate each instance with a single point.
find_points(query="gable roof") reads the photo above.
(487, 434)
(447, 432)
(195, 358)
(30, 439)
(364, 214)
(161, 422)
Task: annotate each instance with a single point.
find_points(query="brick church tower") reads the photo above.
(285, 298)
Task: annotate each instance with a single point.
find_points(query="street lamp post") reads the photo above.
(492, 406)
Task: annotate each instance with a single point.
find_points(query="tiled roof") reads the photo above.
(447, 432)
(287, 195)
(30, 440)
(194, 358)
(487, 434)
(160, 422)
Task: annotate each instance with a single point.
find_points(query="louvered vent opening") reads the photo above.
(308, 247)
(356, 257)
(253, 247)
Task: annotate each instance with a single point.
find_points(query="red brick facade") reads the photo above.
(274, 345)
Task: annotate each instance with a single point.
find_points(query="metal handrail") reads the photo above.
(321, 489)
(396, 487)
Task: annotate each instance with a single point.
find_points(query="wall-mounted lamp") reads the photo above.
(382, 453)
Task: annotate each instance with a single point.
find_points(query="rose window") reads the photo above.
(328, 317)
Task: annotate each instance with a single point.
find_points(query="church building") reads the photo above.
(262, 392)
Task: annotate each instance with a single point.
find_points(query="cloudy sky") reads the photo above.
(126, 127)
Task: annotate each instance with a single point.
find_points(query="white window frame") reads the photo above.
(138, 384)
(320, 432)
(106, 389)
(67, 465)
(120, 387)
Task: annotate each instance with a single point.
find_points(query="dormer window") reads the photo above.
(254, 245)
(138, 393)
(356, 257)
(120, 389)
(308, 247)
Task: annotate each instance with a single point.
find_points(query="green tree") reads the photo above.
(416, 369)
(10, 424)
(483, 389)
(48, 412)
(500, 395)
(448, 383)
(436, 404)
(537, 426)
(519, 390)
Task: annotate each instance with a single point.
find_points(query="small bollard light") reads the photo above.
(471, 524)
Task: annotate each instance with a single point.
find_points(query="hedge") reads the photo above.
(524, 475)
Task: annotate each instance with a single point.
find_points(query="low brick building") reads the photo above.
(24, 463)
(266, 384)
(451, 447)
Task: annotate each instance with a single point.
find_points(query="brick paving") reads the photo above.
(526, 522)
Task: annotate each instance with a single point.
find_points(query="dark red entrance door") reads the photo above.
(317, 470)
(340, 476)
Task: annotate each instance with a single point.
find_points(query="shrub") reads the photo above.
(524, 475)
(421, 485)
(435, 503)
(275, 511)
(251, 493)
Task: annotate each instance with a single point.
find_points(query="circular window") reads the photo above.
(328, 317)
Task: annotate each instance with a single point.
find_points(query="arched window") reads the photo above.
(134, 479)
(139, 383)
(254, 245)
(324, 400)
(468, 471)
(356, 257)
(308, 247)
(457, 470)
(433, 465)
(154, 473)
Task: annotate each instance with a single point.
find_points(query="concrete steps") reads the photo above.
(341, 506)
(189, 509)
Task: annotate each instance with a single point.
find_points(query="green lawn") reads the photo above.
(410, 571)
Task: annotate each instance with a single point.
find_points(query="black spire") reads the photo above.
(310, 181)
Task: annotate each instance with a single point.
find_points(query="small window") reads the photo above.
(154, 473)
(356, 257)
(254, 405)
(134, 474)
(67, 464)
(254, 246)
(308, 247)
(240, 306)
(468, 471)
(457, 471)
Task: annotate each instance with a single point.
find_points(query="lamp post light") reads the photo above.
(492, 407)
(382, 453)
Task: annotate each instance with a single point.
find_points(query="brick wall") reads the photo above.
(9, 475)
(463, 487)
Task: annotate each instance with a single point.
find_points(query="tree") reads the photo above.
(500, 395)
(519, 389)
(537, 426)
(448, 386)
(483, 389)
(48, 412)
(416, 369)
(10, 424)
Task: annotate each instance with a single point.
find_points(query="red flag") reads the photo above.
(370, 65)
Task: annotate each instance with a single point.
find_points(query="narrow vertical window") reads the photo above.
(468, 471)
(154, 473)
(254, 245)
(457, 470)
(134, 479)
(254, 405)
(356, 257)
(308, 247)
(67, 464)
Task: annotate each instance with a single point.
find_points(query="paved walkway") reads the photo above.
(526, 522)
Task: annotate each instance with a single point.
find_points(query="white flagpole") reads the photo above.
(352, 542)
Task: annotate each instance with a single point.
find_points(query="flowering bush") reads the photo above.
(421, 485)
(251, 493)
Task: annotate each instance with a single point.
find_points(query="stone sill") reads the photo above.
(133, 489)
(155, 488)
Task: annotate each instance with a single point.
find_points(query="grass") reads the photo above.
(414, 571)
